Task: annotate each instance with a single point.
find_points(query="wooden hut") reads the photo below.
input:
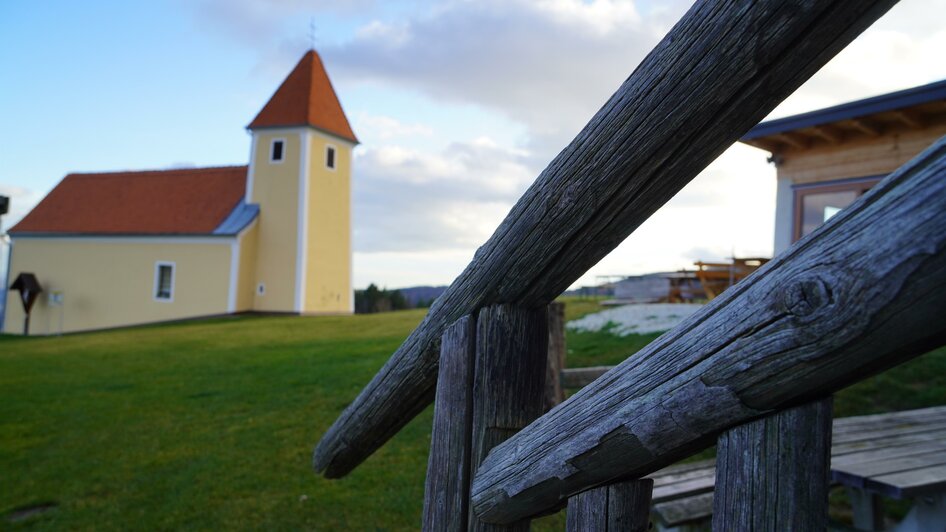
(826, 159)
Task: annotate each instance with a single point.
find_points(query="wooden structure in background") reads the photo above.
(826, 159)
(897, 454)
(801, 327)
(717, 276)
(663, 287)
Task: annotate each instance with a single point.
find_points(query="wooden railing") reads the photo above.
(864, 292)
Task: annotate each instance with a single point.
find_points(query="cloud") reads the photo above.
(452, 200)
(500, 57)
(549, 64)
(263, 22)
(386, 128)
(901, 50)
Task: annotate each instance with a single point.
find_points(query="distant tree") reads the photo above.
(397, 300)
(373, 299)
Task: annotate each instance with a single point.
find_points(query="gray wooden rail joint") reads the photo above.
(717, 73)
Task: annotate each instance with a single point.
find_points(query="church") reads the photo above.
(273, 236)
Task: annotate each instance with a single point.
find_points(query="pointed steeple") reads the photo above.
(306, 98)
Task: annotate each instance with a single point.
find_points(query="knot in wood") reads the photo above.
(807, 295)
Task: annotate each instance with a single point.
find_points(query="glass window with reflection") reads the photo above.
(816, 204)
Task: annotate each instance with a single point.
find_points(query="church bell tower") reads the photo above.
(300, 175)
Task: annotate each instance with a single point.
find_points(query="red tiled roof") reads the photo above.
(160, 202)
(306, 98)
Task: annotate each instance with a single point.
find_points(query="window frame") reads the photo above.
(334, 150)
(155, 289)
(859, 184)
(272, 150)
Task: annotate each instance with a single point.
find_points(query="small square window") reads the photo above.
(330, 157)
(276, 152)
(164, 281)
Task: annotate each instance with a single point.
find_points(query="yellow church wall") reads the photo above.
(246, 272)
(110, 282)
(275, 187)
(328, 262)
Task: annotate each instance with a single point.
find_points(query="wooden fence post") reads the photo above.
(447, 489)
(509, 381)
(554, 393)
(773, 473)
(623, 506)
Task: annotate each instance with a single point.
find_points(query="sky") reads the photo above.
(458, 106)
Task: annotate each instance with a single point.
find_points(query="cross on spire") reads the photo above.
(312, 29)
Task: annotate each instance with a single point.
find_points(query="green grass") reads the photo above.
(203, 425)
(210, 425)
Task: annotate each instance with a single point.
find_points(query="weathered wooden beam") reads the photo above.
(719, 71)
(554, 393)
(509, 383)
(773, 473)
(864, 292)
(579, 377)
(619, 507)
(447, 489)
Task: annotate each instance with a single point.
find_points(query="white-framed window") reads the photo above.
(164, 281)
(330, 153)
(277, 151)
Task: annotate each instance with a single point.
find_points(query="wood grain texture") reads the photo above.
(618, 507)
(554, 393)
(509, 382)
(447, 488)
(773, 473)
(723, 67)
(864, 292)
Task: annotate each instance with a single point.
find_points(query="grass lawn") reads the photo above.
(203, 425)
(210, 425)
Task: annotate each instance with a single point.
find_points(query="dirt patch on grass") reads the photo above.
(25, 512)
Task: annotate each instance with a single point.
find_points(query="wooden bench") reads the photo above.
(683, 496)
(901, 455)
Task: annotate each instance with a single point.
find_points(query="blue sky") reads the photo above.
(458, 105)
